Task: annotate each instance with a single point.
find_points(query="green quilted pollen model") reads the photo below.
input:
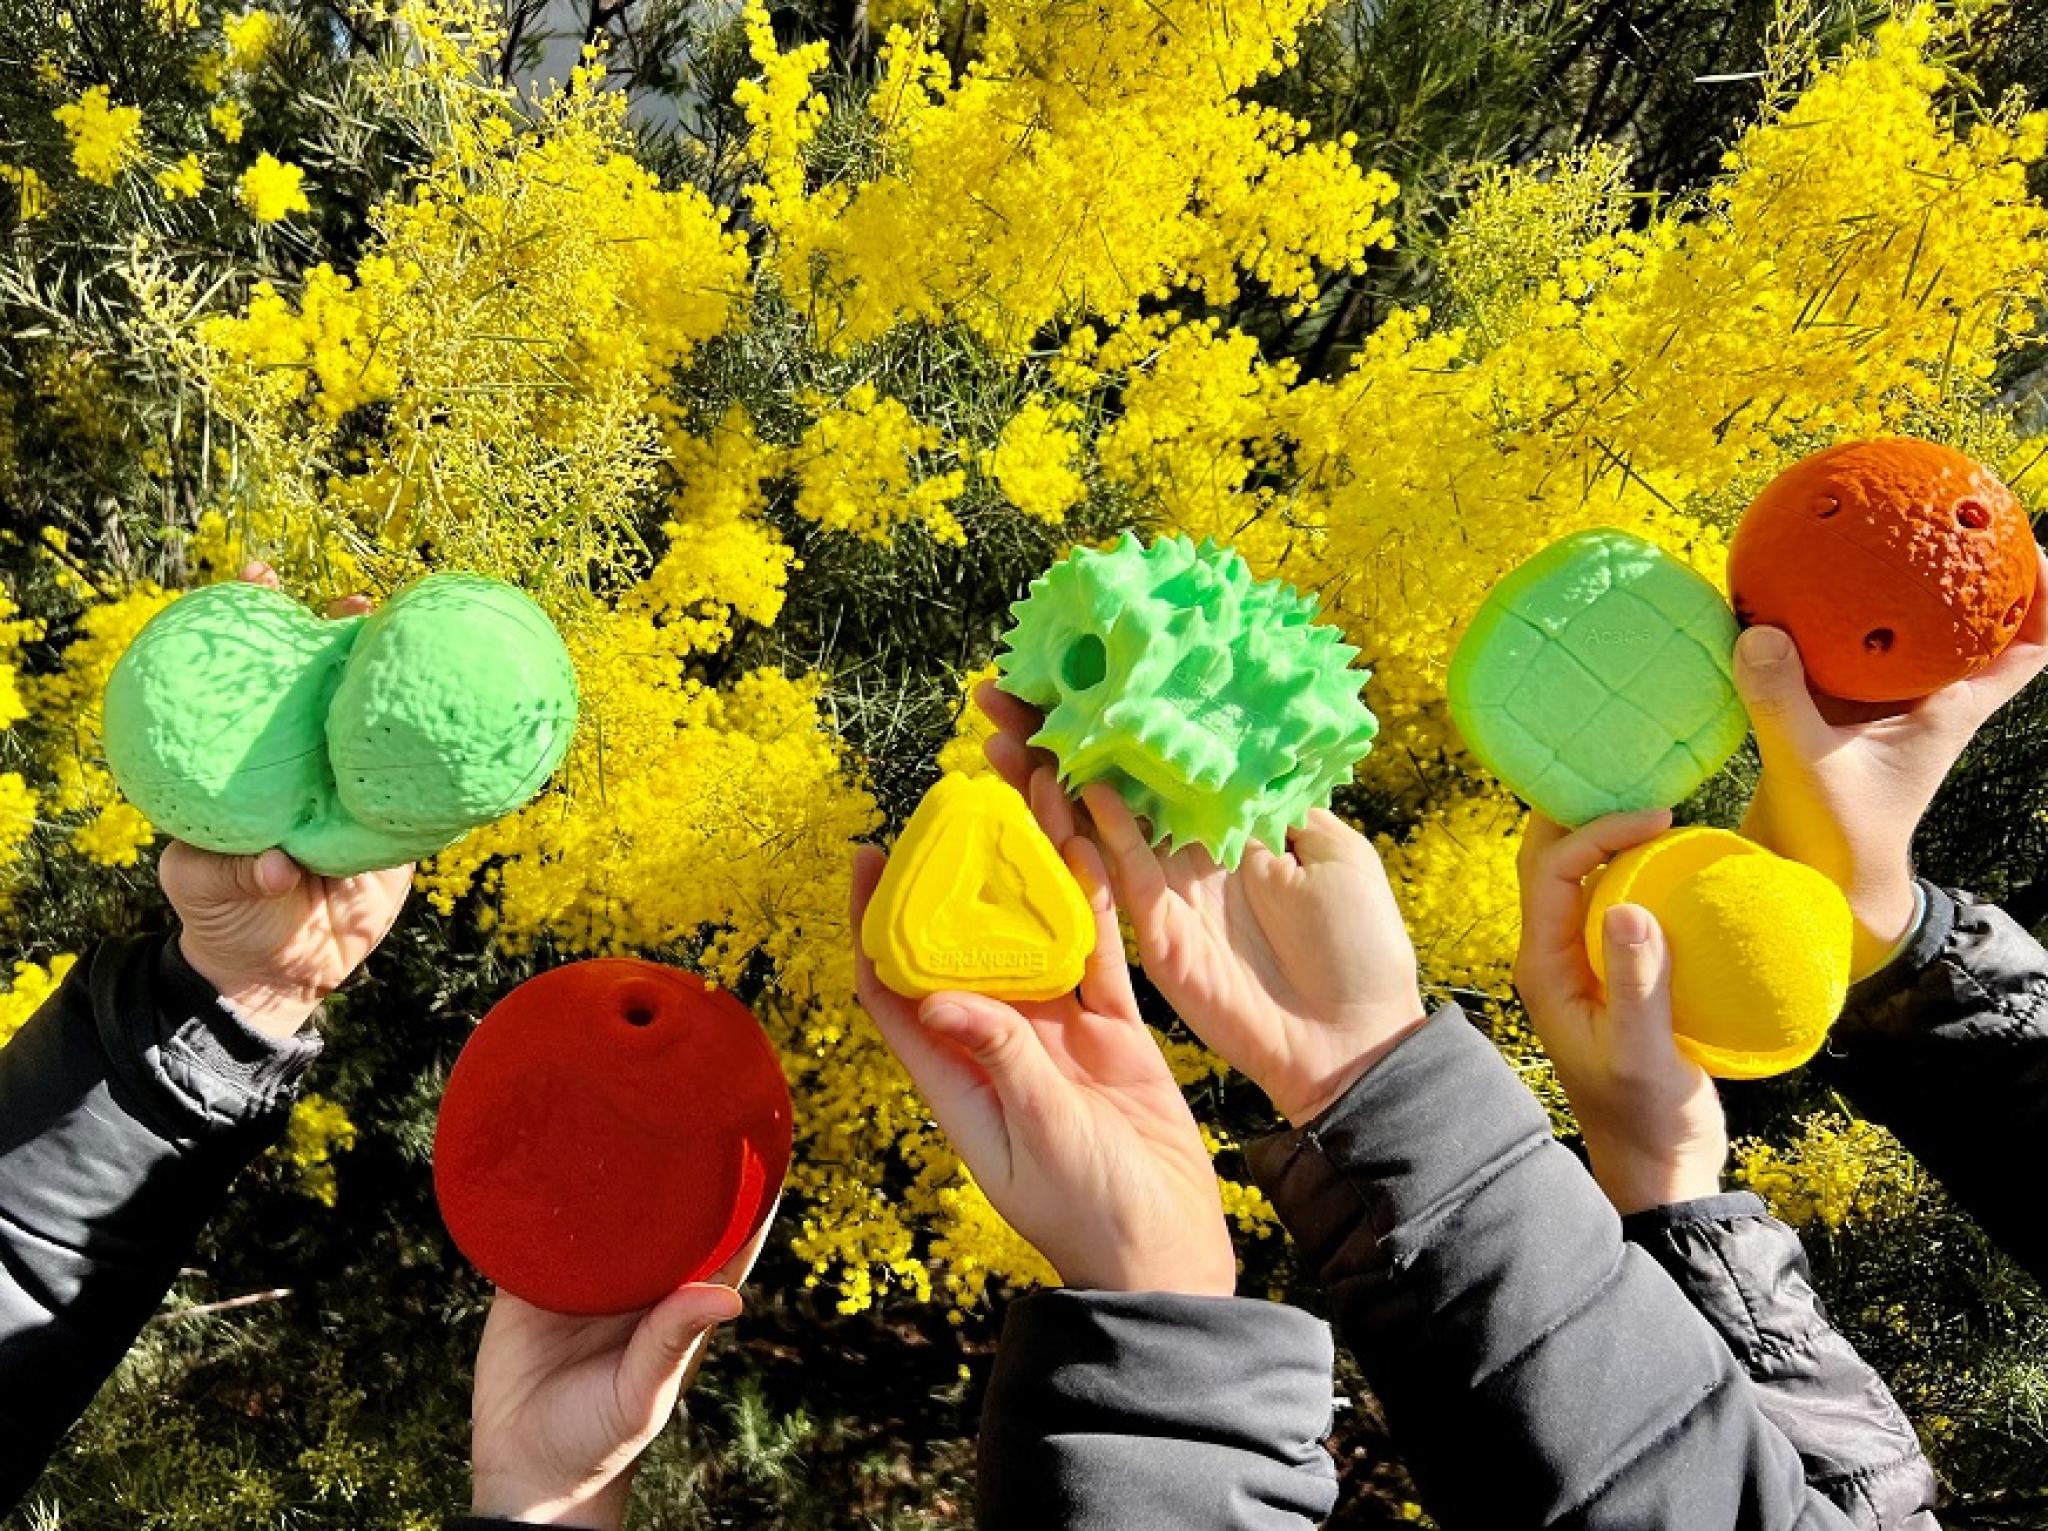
(1598, 678)
(237, 720)
(1213, 702)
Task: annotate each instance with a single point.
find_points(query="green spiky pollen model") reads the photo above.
(1214, 703)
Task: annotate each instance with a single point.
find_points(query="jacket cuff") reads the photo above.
(1922, 948)
(1642, 1227)
(188, 1065)
(1192, 1368)
(1388, 1133)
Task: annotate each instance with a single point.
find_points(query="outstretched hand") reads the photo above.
(564, 1405)
(273, 938)
(1065, 1110)
(1650, 1117)
(1845, 784)
(1296, 967)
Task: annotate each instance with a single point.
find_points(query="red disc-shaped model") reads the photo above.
(612, 1130)
(1898, 566)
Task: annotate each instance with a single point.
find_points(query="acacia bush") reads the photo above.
(776, 353)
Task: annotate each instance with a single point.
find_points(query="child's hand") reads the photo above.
(563, 1406)
(272, 937)
(1065, 1110)
(1845, 783)
(1296, 968)
(1651, 1120)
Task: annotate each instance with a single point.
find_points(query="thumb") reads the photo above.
(663, 1346)
(196, 878)
(1638, 982)
(1002, 1042)
(1771, 681)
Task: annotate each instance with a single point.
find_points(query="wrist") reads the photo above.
(1302, 1099)
(602, 1509)
(273, 1008)
(1886, 911)
(1634, 1181)
(1213, 1275)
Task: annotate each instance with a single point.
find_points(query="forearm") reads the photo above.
(1120, 1411)
(1746, 1274)
(1481, 1279)
(1948, 1047)
(127, 1105)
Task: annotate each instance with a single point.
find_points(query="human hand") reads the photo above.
(1649, 1115)
(1296, 968)
(1065, 1110)
(1844, 784)
(563, 1405)
(273, 938)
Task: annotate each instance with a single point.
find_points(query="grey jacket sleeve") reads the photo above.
(1746, 1274)
(1535, 1369)
(1948, 1047)
(128, 1102)
(1153, 1411)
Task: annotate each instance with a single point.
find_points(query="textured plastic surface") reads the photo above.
(976, 897)
(612, 1130)
(1898, 566)
(1597, 678)
(1215, 703)
(238, 720)
(1759, 946)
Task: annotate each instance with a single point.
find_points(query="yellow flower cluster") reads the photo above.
(249, 38)
(1094, 155)
(518, 312)
(65, 705)
(317, 1130)
(185, 179)
(105, 139)
(1035, 460)
(272, 190)
(1837, 1171)
(32, 195)
(856, 470)
(31, 985)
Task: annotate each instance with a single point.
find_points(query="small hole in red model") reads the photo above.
(1973, 514)
(1878, 640)
(1827, 505)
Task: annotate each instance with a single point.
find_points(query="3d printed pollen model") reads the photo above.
(1759, 946)
(237, 720)
(1898, 566)
(612, 1130)
(976, 897)
(1214, 702)
(1597, 677)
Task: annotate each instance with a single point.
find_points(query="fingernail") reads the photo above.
(1765, 645)
(1628, 925)
(941, 1017)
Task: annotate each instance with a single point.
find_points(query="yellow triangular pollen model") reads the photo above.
(976, 897)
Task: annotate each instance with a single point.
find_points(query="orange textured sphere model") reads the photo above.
(1898, 566)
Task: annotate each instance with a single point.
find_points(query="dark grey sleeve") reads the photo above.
(1948, 1047)
(1152, 1411)
(1746, 1274)
(128, 1102)
(1535, 1369)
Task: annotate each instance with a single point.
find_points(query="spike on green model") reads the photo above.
(1214, 702)
(237, 720)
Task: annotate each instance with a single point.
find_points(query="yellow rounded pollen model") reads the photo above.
(1759, 946)
(975, 897)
